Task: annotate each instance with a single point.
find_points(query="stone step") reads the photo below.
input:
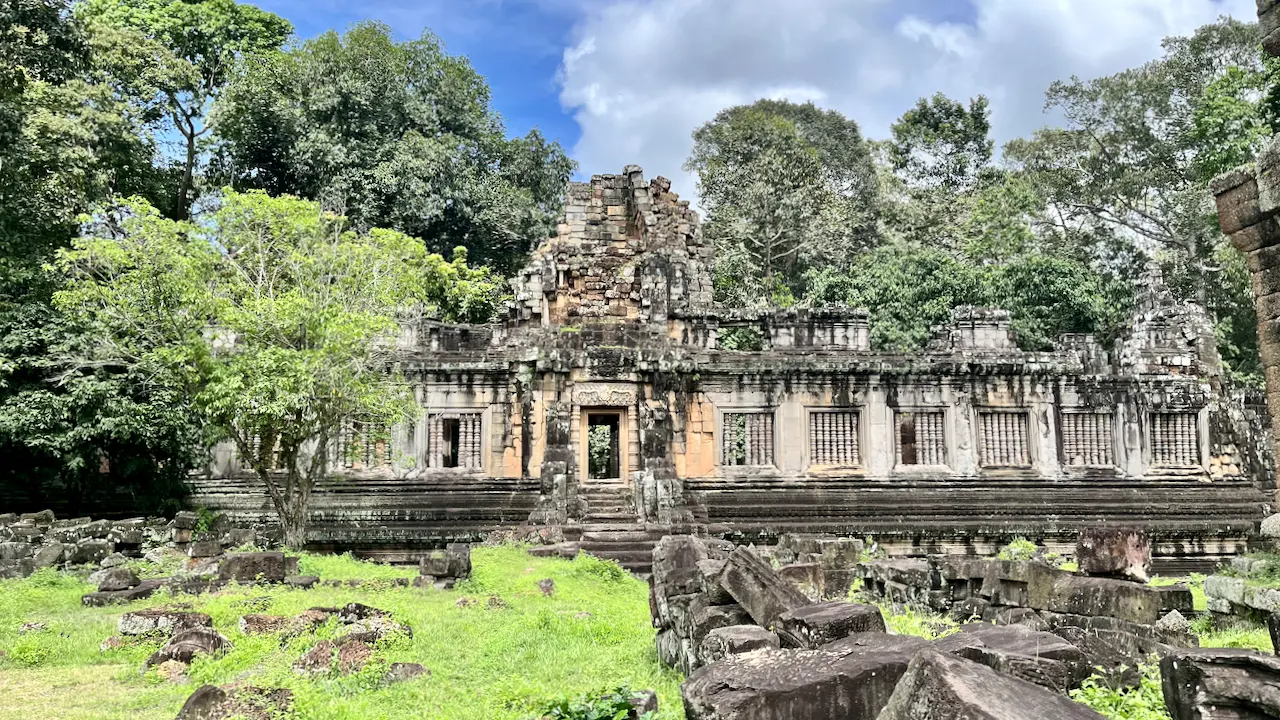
(617, 547)
(628, 559)
(594, 517)
(637, 535)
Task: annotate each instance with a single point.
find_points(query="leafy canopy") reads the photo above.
(391, 134)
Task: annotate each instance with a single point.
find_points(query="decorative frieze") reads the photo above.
(833, 438)
(1002, 440)
(1088, 440)
(747, 439)
(1175, 440)
(919, 438)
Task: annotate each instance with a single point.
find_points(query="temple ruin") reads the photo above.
(606, 406)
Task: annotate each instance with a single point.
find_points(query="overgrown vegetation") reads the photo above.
(487, 663)
(608, 705)
(1145, 702)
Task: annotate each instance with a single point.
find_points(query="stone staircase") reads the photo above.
(612, 530)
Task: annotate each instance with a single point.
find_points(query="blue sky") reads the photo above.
(627, 81)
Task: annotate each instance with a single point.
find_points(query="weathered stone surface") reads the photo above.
(709, 617)
(161, 621)
(1273, 629)
(735, 640)
(16, 550)
(253, 567)
(355, 612)
(144, 589)
(221, 703)
(376, 628)
(675, 565)
(1115, 598)
(118, 578)
(304, 582)
(1017, 651)
(115, 559)
(813, 625)
(1113, 552)
(1219, 683)
(50, 555)
(204, 549)
(91, 551)
(851, 679)
(758, 589)
(186, 645)
(938, 686)
(1270, 527)
(453, 561)
(256, 624)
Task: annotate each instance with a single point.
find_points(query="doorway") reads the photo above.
(604, 446)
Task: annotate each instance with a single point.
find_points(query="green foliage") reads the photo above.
(941, 144)
(272, 318)
(590, 634)
(742, 339)
(785, 187)
(1019, 549)
(1145, 702)
(391, 134)
(606, 705)
(205, 518)
(173, 58)
(1239, 634)
(590, 566)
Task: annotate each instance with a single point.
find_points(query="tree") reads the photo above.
(1131, 167)
(176, 56)
(274, 319)
(785, 187)
(940, 144)
(78, 440)
(392, 134)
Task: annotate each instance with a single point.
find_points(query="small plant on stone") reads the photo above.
(1020, 549)
(205, 518)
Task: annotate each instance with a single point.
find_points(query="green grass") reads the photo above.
(346, 567)
(1193, 582)
(592, 635)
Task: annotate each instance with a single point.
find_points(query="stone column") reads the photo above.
(1248, 203)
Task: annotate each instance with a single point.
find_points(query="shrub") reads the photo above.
(592, 566)
(609, 705)
(1020, 549)
(1145, 702)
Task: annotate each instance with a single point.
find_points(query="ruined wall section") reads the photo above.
(625, 250)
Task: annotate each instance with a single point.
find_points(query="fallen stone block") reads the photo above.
(253, 567)
(400, 672)
(144, 589)
(676, 652)
(813, 625)
(302, 582)
(850, 679)
(16, 551)
(453, 561)
(709, 617)
(91, 551)
(1020, 652)
(675, 565)
(735, 640)
(50, 555)
(204, 549)
(256, 624)
(118, 578)
(231, 701)
(758, 589)
(186, 645)
(161, 621)
(1142, 604)
(1206, 684)
(938, 686)
(1114, 552)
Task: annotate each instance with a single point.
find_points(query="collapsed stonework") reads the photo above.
(605, 405)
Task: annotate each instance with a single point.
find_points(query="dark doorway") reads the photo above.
(450, 440)
(603, 446)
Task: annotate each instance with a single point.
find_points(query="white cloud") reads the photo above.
(642, 75)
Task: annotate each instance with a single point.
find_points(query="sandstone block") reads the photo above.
(758, 589)
(91, 551)
(812, 626)
(160, 621)
(186, 645)
(1111, 552)
(214, 703)
(50, 555)
(1020, 652)
(454, 561)
(253, 567)
(937, 686)
(851, 679)
(1228, 589)
(118, 578)
(1212, 683)
(735, 640)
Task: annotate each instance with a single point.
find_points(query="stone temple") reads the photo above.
(605, 405)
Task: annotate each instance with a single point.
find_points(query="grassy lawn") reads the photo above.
(486, 663)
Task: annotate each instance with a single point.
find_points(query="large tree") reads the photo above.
(86, 438)
(786, 187)
(392, 134)
(272, 320)
(175, 57)
(1130, 170)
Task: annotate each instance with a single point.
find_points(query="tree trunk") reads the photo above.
(293, 506)
(183, 209)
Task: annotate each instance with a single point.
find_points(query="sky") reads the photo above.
(621, 82)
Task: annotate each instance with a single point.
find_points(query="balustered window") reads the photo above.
(273, 460)
(361, 446)
(833, 438)
(747, 439)
(1002, 439)
(1175, 440)
(454, 441)
(919, 438)
(1087, 440)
